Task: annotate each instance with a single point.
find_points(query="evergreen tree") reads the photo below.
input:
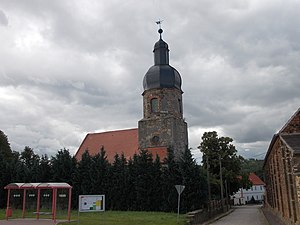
(99, 172)
(133, 171)
(4, 178)
(170, 177)
(144, 181)
(63, 167)
(45, 169)
(5, 149)
(5, 160)
(156, 187)
(84, 179)
(119, 184)
(194, 181)
(26, 166)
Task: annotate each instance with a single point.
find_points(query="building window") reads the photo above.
(180, 106)
(154, 105)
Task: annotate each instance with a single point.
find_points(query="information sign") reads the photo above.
(91, 203)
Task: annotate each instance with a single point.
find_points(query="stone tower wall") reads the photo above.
(170, 102)
(166, 127)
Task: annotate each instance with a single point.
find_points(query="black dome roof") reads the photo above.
(161, 75)
(161, 44)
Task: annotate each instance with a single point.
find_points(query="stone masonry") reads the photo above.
(282, 172)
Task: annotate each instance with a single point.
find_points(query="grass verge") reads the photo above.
(113, 218)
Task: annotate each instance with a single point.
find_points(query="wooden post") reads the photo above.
(69, 205)
(38, 204)
(24, 203)
(7, 203)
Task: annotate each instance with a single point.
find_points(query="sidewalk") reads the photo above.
(218, 217)
(271, 218)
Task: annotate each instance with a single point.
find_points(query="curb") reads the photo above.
(263, 216)
(271, 218)
(218, 217)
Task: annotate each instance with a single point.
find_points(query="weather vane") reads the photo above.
(159, 22)
(159, 25)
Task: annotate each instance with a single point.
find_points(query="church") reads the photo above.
(162, 125)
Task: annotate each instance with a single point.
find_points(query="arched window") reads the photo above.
(154, 105)
(180, 106)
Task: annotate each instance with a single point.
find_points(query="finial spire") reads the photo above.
(159, 22)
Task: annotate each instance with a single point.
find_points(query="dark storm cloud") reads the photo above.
(80, 64)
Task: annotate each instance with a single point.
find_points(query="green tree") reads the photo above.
(63, 167)
(119, 185)
(170, 177)
(220, 150)
(27, 167)
(45, 169)
(84, 179)
(5, 172)
(144, 181)
(193, 179)
(156, 187)
(253, 166)
(99, 173)
(133, 171)
(5, 149)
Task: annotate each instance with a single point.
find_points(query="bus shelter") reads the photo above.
(38, 186)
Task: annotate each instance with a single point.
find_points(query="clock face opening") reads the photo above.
(155, 139)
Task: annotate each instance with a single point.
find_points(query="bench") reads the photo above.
(43, 213)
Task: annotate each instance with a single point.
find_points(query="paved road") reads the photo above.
(246, 215)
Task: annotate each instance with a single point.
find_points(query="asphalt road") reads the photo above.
(245, 215)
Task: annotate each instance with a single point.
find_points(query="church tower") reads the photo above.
(163, 125)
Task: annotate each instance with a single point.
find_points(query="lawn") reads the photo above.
(114, 218)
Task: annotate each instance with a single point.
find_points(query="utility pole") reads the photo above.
(208, 183)
(226, 194)
(221, 182)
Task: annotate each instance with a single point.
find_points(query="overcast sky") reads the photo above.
(70, 67)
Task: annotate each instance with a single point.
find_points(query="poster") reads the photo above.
(91, 203)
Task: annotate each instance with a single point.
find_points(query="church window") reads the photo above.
(179, 104)
(154, 105)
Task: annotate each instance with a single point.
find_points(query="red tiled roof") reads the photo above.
(119, 141)
(255, 179)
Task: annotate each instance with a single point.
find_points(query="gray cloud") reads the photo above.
(72, 67)
(3, 18)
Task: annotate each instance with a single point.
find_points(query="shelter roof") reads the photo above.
(37, 186)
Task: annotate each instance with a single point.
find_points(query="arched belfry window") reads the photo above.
(180, 106)
(154, 105)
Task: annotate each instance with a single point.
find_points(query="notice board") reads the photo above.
(91, 203)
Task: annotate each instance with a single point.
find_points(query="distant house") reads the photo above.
(254, 194)
(282, 172)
